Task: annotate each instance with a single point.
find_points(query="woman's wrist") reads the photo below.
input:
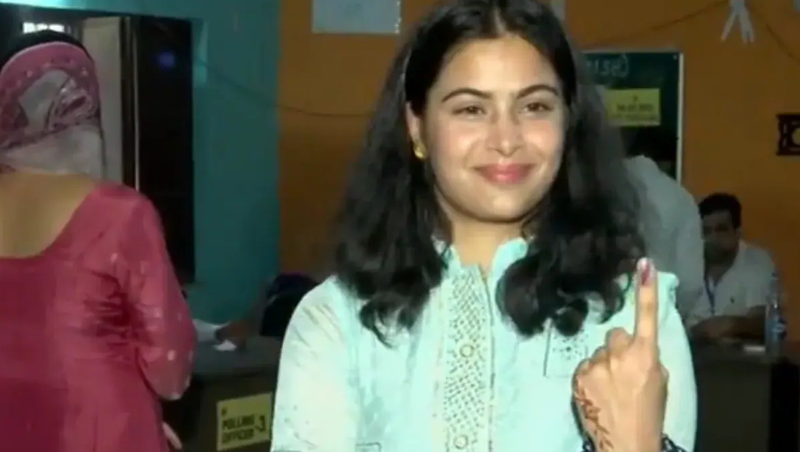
(668, 446)
(635, 439)
(664, 445)
(651, 445)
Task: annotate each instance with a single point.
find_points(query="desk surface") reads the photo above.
(260, 356)
(732, 354)
(707, 354)
(747, 401)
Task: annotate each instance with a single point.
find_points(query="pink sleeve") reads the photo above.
(163, 333)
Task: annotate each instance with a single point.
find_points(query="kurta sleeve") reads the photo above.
(689, 261)
(764, 275)
(163, 333)
(680, 421)
(667, 445)
(315, 409)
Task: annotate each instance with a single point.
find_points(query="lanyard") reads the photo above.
(711, 293)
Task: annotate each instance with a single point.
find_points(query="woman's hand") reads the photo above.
(172, 437)
(621, 391)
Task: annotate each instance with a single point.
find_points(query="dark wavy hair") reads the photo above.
(584, 232)
(722, 202)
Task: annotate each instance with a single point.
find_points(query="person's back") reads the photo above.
(35, 208)
(671, 227)
(95, 327)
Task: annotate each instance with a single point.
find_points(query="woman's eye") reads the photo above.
(472, 110)
(538, 107)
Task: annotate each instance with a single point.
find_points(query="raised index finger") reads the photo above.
(646, 327)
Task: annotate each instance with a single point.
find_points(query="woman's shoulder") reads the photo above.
(330, 292)
(330, 303)
(120, 196)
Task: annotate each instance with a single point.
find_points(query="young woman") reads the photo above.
(94, 325)
(486, 287)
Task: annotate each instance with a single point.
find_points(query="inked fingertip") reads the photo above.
(646, 269)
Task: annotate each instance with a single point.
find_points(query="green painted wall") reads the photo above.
(236, 142)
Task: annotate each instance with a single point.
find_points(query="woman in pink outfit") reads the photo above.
(93, 326)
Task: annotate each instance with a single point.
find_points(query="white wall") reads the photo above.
(102, 39)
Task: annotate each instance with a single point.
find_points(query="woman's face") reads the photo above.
(493, 130)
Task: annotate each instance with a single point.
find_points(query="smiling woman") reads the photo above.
(487, 246)
(495, 119)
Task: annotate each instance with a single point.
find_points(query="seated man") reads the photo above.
(740, 277)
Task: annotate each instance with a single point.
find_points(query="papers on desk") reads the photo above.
(754, 349)
(206, 332)
(261, 355)
(225, 346)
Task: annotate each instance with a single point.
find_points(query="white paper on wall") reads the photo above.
(739, 13)
(560, 8)
(100, 35)
(382, 17)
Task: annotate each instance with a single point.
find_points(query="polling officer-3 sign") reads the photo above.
(244, 421)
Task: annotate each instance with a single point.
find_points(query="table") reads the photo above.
(747, 402)
(228, 405)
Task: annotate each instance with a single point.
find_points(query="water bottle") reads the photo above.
(774, 326)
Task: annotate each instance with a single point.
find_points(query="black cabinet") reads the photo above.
(158, 126)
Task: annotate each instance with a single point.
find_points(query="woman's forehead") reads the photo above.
(504, 64)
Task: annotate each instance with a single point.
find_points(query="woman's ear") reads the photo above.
(414, 125)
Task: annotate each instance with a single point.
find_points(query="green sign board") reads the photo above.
(643, 92)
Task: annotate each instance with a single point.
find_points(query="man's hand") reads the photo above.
(236, 332)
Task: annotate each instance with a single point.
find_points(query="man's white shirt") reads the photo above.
(746, 284)
(672, 228)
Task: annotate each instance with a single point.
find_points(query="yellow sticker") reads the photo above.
(633, 107)
(244, 421)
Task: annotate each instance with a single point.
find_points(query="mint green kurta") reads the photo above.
(461, 380)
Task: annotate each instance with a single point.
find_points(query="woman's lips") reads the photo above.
(504, 174)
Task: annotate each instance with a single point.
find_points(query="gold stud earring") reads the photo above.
(419, 151)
